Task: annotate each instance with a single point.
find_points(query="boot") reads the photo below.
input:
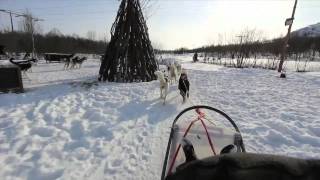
(188, 150)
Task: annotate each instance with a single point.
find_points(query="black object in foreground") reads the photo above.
(188, 150)
(283, 75)
(228, 149)
(10, 79)
(240, 166)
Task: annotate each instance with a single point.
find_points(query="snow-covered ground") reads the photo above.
(68, 126)
(305, 64)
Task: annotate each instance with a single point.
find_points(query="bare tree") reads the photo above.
(247, 38)
(74, 35)
(149, 7)
(6, 29)
(28, 24)
(157, 45)
(55, 32)
(91, 35)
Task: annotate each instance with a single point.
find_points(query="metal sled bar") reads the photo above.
(164, 167)
(210, 108)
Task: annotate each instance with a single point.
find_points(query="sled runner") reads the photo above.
(199, 132)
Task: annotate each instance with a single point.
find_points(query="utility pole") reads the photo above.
(25, 16)
(289, 22)
(10, 13)
(32, 30)
(11, 22)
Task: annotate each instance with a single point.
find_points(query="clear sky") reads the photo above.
(173, 23)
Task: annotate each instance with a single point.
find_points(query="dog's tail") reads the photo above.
(80, 60)
(23, 62)
(33, 60)
(11, 60)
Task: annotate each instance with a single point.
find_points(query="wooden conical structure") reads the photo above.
(129, 56)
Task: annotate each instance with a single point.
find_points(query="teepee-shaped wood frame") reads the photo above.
(129, 56)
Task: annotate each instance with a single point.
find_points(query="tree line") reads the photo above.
(249, 49)
(296, 46)
(250, 46)
(20, 41)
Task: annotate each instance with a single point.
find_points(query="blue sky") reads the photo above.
(173, 23)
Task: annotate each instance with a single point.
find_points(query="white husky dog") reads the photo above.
(179, 68)
(164, 85)
(173, 73)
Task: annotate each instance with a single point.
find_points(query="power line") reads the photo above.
(83, 5)
(10, 14)
(27, 17)
(78, 13)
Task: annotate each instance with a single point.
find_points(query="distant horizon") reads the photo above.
(99, 40)
(172, 24)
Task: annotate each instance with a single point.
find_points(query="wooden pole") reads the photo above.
(11, 21)
(10, 14)
(285, 44)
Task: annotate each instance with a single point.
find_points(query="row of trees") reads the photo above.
(250, 49)
(51, 42)
(249, 45)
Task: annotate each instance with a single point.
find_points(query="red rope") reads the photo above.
(202, 115)
(208, 136)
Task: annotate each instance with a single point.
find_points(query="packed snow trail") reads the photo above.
(68, 126)
(79, 129)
